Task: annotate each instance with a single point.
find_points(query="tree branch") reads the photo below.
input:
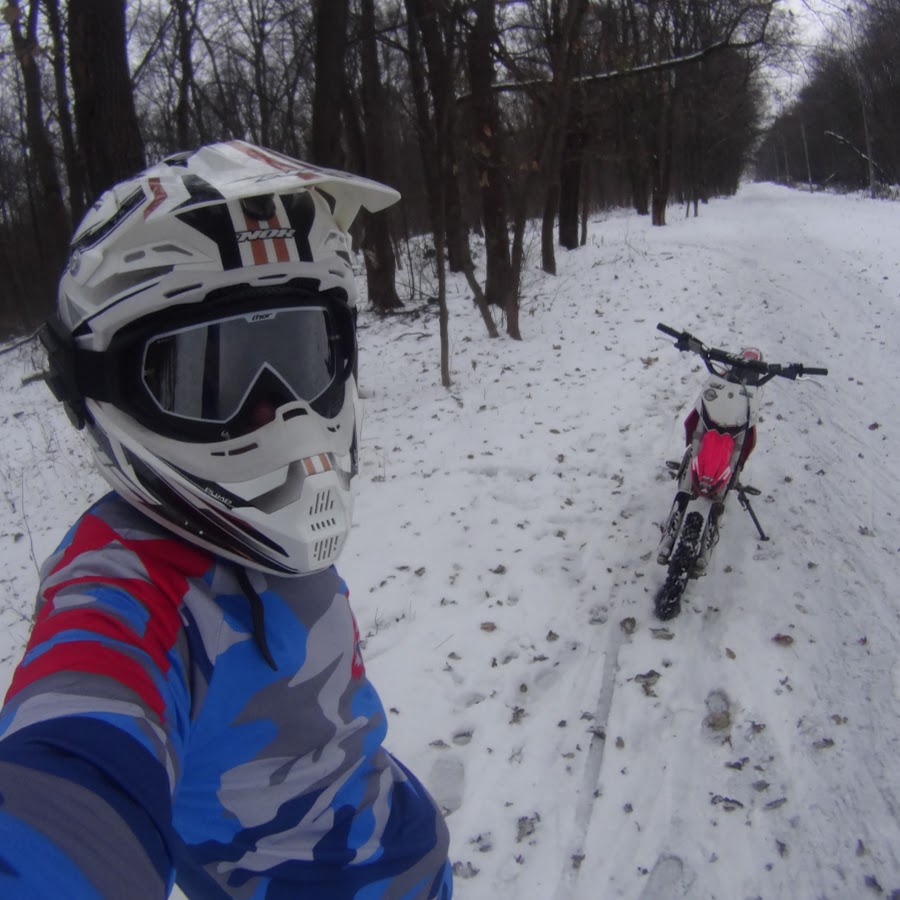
(674, 62)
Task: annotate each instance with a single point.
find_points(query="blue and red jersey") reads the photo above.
(146, 739)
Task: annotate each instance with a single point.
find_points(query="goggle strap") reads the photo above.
(74, 373)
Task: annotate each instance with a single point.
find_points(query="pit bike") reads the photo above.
(720, 435)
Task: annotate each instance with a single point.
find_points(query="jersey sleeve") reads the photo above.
(95, 721)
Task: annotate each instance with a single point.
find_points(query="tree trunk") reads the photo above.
(377, 248)
(564, 56)
(458, 255)
(438, 140)
(548, 220)
(105, 120)
(637, 164)
(639, 170)
(51, 220)
(439, 43)
(870, 158)
(331, 42)
(586, 190)
(73, 162)
(569, 188)
(430, 149)
(488, 156)
(184, 46)
(662, 162)
(806, 156)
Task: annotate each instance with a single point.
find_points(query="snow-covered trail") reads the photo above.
(740, 765)
(701, 758)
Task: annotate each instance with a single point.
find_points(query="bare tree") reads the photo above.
(430, 51)
(73, 162)
(430, 130)
(331, 18)
(488, 153)
(561, 26)
(440, 26)
(377, 249)
(106, 123)
(49, 216)
(433, 46)
(185, 18)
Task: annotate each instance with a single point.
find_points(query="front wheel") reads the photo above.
(667, 603)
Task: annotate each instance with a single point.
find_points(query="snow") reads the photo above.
(502, 561)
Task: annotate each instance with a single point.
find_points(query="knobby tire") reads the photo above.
(668, 599)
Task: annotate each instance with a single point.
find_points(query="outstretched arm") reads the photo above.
(92, 729)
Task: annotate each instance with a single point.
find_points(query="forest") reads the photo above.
(487, 115)
(842, 128)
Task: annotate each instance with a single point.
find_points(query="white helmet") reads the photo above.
(205, 336)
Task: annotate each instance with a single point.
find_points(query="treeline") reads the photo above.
(843, 130)
(483, 113)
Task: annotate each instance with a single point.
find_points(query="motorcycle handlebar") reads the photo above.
(685, 341)
(665, 329)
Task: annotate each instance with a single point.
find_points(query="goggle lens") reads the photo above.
(210, 371)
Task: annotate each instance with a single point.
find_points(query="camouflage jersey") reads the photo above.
(145, 738)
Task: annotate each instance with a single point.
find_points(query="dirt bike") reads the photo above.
(720, 435)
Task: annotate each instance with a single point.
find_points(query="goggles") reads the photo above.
(221, 371)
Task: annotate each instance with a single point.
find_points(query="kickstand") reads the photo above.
(745, 503)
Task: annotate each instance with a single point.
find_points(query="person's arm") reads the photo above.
(68, 828)
(92, 730)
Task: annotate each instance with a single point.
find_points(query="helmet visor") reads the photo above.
(209, 372)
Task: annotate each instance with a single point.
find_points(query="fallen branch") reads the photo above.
(857, 151)
(21, 342)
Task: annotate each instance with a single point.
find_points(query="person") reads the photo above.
(192, 705)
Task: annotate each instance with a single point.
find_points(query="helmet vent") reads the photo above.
(321, 511)
(236, 452)
(171, 248)
(182, 290)
(239, 450)
(326, 549)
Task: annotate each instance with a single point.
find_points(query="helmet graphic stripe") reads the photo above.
(256, 245)
(287, 166)
(300, 213)
(159, 195)
(279, 244)
(218, 225)
(317, 464)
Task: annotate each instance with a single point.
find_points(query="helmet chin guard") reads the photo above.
(205, 338)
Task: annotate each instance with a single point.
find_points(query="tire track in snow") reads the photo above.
(584, 806)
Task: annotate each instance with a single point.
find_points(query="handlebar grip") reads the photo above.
(808, 371)
(665, 329)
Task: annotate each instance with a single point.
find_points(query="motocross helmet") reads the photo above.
(205, 338)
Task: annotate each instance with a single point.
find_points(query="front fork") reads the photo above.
(682, 474)
(710, 537)
(671, 527)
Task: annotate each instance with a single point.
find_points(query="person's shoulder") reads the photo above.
(112, 528)
(311, 591)
(124, 518)
(327, 579)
